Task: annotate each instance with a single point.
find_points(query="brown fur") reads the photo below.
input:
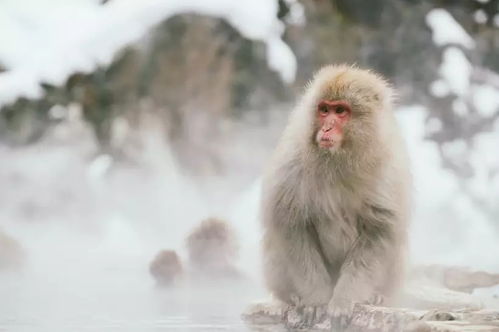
(166, 268)
(335, 222)
(212, 249)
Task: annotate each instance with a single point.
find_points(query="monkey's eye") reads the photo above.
(323, 108)
(340, 109)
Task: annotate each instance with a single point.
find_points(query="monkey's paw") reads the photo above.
(341, 311)
(376, 299)
(305, 316)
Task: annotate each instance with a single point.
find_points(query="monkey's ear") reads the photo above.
(373, 96)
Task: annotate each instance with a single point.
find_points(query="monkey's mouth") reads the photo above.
(326, 143)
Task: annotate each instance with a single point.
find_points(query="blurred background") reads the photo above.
(124, 123)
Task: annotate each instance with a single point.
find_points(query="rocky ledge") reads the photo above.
(425, 307)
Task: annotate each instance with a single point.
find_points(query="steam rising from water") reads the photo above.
(91, 224)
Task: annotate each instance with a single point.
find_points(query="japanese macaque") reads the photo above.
(212, 250)
(336, 197)
(12, 254)
(166, 268)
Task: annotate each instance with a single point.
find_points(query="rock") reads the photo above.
(432, 297)
(438, 315)
(484, 315)
(365, 317)
(418, 326)
(264, 313)
(463, 326)
(372, 318)
(444, 311)
(457, 278)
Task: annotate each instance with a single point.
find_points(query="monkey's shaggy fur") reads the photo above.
(335, 221)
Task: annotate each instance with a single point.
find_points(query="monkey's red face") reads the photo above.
(332, 116)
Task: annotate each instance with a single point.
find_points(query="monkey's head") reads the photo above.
(347, 106)
(211, 243)
(166, 267)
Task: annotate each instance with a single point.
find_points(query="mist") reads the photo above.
(124, 126)
(90, 226)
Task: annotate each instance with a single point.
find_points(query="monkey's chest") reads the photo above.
(333, 214)
(335, 225)
(336, 237)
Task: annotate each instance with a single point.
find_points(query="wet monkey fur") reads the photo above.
(166, 268)
(336, 196)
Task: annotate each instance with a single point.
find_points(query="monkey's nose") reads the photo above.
(326, 129)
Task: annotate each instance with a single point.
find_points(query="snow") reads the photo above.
(99, 166)
(459, 210)
(439, 88)
(486, 99)
(441, 203)
(434, 125)
(82, 34)
(480, 16)
(281, 59)
(455, 73)
(446, 30)
(456, 70)
(484, 159)
(456, 150)
(296, 15)
(459, 107)
(57, 112)
(425, 157)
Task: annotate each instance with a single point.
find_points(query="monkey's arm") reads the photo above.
(373, 264)
(294, 269)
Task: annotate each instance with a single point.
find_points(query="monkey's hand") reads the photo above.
(376, 299)
(340, 309)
